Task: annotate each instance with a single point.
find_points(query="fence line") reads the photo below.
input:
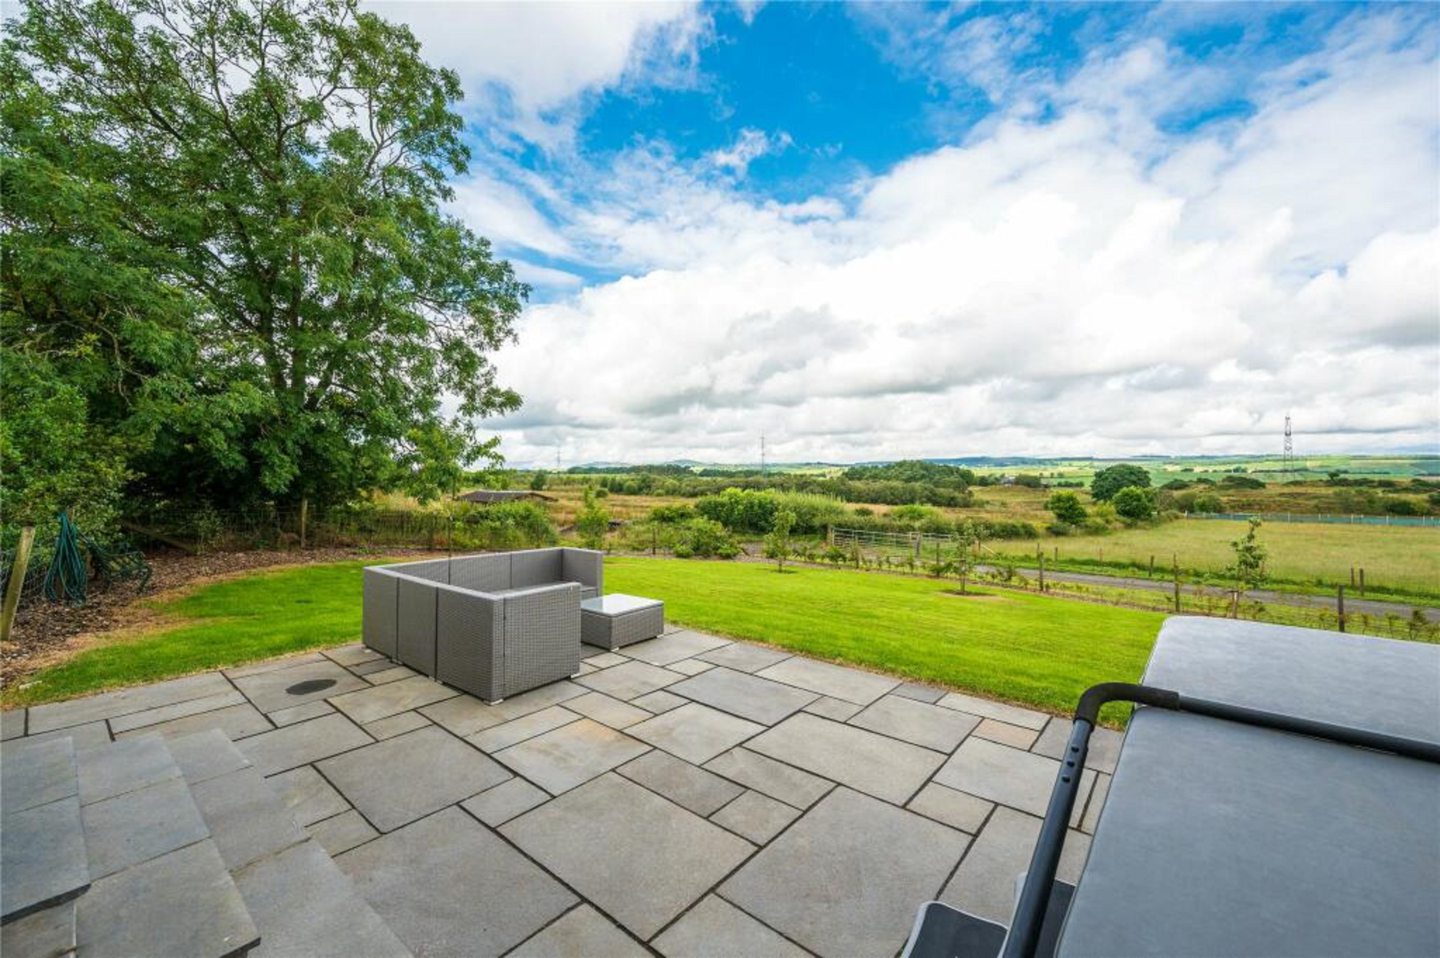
(1353, 520)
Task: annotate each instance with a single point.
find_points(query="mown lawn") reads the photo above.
(1024, 648)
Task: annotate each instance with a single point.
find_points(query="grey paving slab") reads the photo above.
(88, 735)
(837, 709)
(42, 856)
(371, 667)
(46, 718)
(689, 666)
(1096, 805)
(302, 743)
(606, 710)
(695, 732)
(124, 766)
(12, 724)
(846, 879)
(642, 882)
(744, 657)
(496, 806)
(183, 903)
(164, 713)
(658, 702)
(400, 779)
(236, 722)
(341, 832)
(271, 691)
(352, 655)
(871, 763)
(205, 755)
(273, 665)
(916, 722)
(247, 820)
(605, 659)
(392, 698)
(509, 733)
(1014, 736)
(755, 817)
(984, 884)
(48, 933)
(629, 681)
(999, 711)
(949, 807)
(304, 905)
(306, 795)
(1005, 775)
(702, 792)
(571, 755)
(301, 713)
(466, 715)
(394, 673)
(674, 646)
(717, 929)
(38, 773)
(776, 779)
(581, 932)
(447, 885)
(743, 694)
(393, 725)
(836, 681)
(140, 825)
(920, 692)
(1101, 755)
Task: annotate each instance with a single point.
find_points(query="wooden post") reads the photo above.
(1152, 567)
(1352, 577)
(304, 515)
(1042, 571)
(17, 581)
(654, 539)
(1176, 571)
(1340, 606)
(1362, 582)
(1057, 553)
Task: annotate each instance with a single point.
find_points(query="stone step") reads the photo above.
(42, 841)
(300, 900)
(160, 884)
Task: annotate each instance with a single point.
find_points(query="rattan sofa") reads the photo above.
(493, 625)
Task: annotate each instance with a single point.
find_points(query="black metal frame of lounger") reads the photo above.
(1035, 895)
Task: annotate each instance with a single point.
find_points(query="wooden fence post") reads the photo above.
(1152, 567)
(17, 581)
(1340, 606)
(1041, 556)
(1362, 582)
(304, 515)
(1177, 585)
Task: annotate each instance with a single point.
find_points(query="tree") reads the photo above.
(1111, 480)
(539, 480)
(962, 563)
(592, 522)
(1134, 504)
(1248, 567)
(289, 301)
(1067, 508)
(777, 543)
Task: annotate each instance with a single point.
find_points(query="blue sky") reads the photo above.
(908, 229)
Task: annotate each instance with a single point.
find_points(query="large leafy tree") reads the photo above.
(1111, 480)
(256, 281)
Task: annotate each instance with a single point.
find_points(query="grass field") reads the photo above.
(1403, 559)
(1024, 648)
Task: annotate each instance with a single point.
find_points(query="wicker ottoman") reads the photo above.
(611, 621)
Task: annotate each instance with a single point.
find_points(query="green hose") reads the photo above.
(66, 577)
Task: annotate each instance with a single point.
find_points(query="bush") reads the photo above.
(812, 512)
(739, 510)
(668, 515)
(1208, 503)
(1067, 508)
(913, 512)
(504, 525)
(1402, 507)
(704, 538)
(592, 522)
(1241, 482)
(1134, 504)
(867, 511)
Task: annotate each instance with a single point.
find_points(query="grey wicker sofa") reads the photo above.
(493, 625)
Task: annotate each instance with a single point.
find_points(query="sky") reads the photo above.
(906, 230)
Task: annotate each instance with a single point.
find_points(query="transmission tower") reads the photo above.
(1287, 462)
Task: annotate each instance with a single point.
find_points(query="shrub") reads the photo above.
(1134, 504)
(811, 512)
(777, 543)
(739, 510)
(592, 522)
(504, 525)
(867, 511)
(1208, 503)
(913, 512)
(1241, 482)
(704, 538)
(1402, 507)
(671, 514)
(1067, 508)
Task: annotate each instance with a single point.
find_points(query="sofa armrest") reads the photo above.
(470, 641)
(542, 635)
(585, 566)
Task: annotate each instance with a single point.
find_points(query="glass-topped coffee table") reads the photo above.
(610, 621)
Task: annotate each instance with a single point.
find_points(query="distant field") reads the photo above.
(1031, 649)
(1404, 559)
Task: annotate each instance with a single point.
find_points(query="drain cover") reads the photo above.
(311, 685)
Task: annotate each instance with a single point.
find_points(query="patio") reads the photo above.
(690, 794)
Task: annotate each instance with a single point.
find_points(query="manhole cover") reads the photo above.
(310, 685)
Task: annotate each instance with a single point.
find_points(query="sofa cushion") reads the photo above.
(534, 567)
(482, 573)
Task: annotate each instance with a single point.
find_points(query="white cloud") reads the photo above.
(749, 146)
(1083, 286)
